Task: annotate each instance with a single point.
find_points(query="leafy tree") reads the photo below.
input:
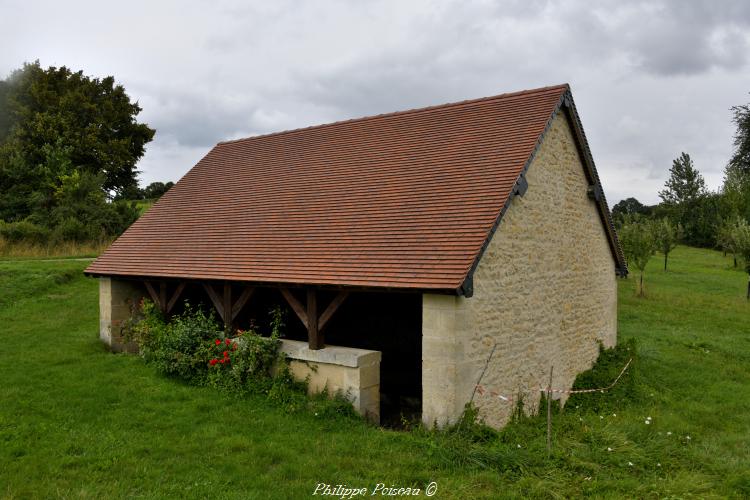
(736, 188)
(726, 238)
(5, 121)
(741, 156)
(687, 203)
(82, 213)
(704, 218)
(666, 236)
(155, 190)
(68, 142)
(685, 183)
(91, 122)
(628, 207)
(742, 240)
(637, 241)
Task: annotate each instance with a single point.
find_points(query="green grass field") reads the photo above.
(76, 421)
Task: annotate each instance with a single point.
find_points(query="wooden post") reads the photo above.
(314, 336)
(549, 414)
(227, 305)
(163, 296)
(309, 315)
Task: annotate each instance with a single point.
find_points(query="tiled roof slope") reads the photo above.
(401, 200)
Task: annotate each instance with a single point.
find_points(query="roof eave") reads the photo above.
(282, 284)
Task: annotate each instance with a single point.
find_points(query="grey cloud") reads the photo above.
(195, 118)
(651, 79)
(687, 38)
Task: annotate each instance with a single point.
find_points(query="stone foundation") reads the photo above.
(354, 373)
(116, 301)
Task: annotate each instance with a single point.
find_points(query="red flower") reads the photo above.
(213, 362)
(218, 341)
(227, 341)
(222, 361)
(226, 354)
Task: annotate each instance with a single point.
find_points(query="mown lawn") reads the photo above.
(76, 421)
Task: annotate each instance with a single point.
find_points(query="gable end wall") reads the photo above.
(545, 293)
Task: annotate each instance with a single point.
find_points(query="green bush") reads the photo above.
(24, 231)
(194, 347)
(72, 229)
(180, 347)
(77, 212)
(82, 212)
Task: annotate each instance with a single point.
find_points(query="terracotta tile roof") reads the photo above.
(401, 200)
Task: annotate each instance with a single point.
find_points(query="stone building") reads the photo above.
(407, 248)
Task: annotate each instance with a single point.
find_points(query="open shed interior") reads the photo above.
(381, 321)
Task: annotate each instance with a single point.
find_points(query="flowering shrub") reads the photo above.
(194, 347)
(175, 347)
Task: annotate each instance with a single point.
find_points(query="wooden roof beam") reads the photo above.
(308, 314)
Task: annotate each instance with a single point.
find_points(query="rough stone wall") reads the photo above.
(545, 293)
(116, 300)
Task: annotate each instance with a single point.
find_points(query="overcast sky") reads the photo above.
(650, 79)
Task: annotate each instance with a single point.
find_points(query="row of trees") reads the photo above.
(642, 237)
(69, 145)
(687, 202)
(691, 214)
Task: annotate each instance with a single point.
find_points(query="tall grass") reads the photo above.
(24, 250)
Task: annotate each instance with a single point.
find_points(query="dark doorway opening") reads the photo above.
(392, 324)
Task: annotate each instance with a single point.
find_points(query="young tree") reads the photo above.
(688, 203)
(742, 240)
(726, 238)
(685, 183)
(638, 245)
(666, 235)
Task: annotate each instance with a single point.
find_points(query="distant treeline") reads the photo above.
(69, 145)
(689, 213)
(703, 216)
